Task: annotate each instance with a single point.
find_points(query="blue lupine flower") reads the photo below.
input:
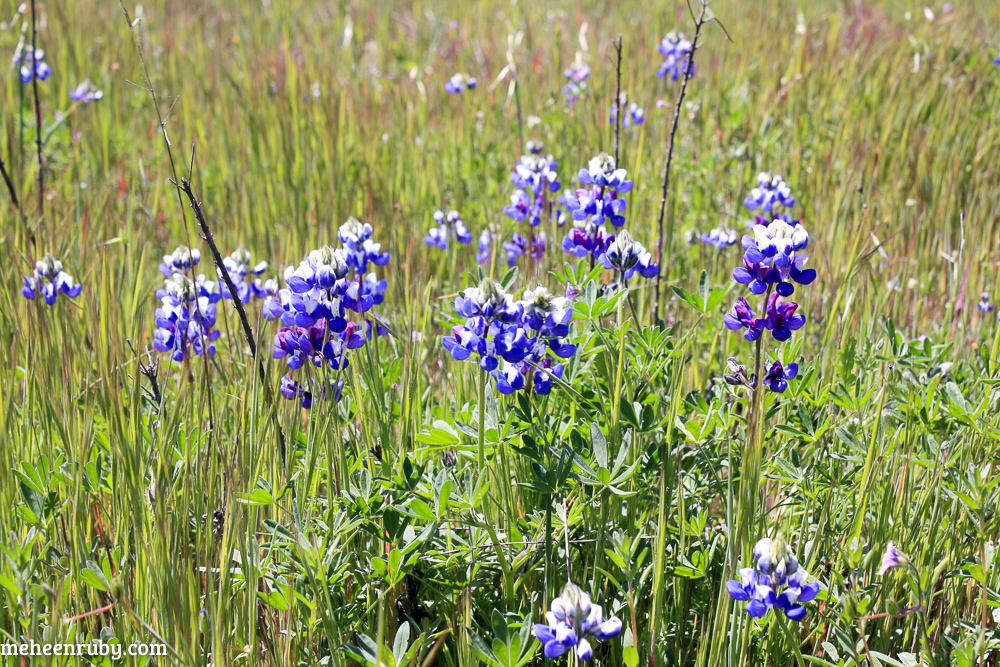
(777, 376)
(484, 246)
(576, 88)
(512, 339)
(446, 225)
(742, 317)
(676, 51)
(781, 319)
(180, 261)
(984, 304)
(86, 92)
(773, 257)
(185, 319)
(459, 83)
(719, 237)
(996, 61)
(361, 250)
(49, 279)
(635, 113)
(572, 623)
(628, 257)
(587, 239)
(535, 178)
(322, 293)
(33, 64)
(601, 200)
(237, 264)
(778, 582)
(892, 557)
(771, 189)
(519, 245)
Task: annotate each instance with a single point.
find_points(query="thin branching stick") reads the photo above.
(185, 187)
(38, 118)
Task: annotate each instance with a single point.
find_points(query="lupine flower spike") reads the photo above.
(238, 265)
(535, 178)
(984, 304)
(323, 308)
(778, 582)
(573, 622)
(676, 51)
(49, 279)
(576, 86)
(446, 225)
(86, 92)
(719, 237)
(33, 65)
(512, 339)
(459, 83)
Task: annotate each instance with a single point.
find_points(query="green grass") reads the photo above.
(180, 517)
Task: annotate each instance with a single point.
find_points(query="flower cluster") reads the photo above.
(33, 65)
(777, 376)
(576, 86)
(984, 304)
(719, 237)
(535, 178)
(572, 623)
(779, 318)
(520, 245)
(676, 51)
(459, 83)
(627, 257)
(237, 264)
(601, 197)
(322, 293)
(635, 114)
(86, 92)
(772, 261)
(49, 278)
(771, 190)
(185, 319)
(778, 582)
(511, 338)
(484, 246)
(445, 225)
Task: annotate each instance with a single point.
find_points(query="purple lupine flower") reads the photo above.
(984, 304)
(49, 279)
(576, 88)
(33, 65)
(512, 340)
(996, 61)
(484, 246)
(771, 190)
(587, 239)
(181, 261)
(535, 178)
(601, 199)
(445, 225)
(777, 376)
(628, 257)
(238, 266)
(327, 303)
(676, 51)
(635, 113)
(777, 582)
(86, 92)
(185, 320)
(742, 317)
(572, 622)
(459, 83)
(892, 557)
(719, 237)
(519, 245)
(781, 319)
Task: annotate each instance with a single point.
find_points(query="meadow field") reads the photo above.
(528, 392)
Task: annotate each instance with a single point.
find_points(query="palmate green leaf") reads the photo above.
(481, 648)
